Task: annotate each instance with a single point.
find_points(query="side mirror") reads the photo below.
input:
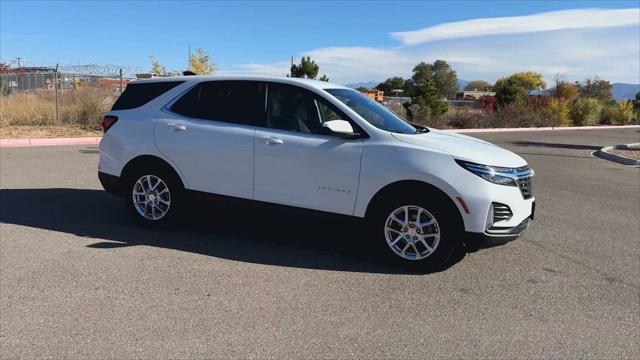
(341, 128)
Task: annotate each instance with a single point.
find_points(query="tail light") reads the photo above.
(107, 122)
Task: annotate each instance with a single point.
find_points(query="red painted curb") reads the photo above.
(49, 142)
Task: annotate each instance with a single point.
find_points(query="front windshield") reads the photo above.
(375, 113)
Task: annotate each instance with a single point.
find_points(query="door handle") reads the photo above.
(271, 140)
(176, 127)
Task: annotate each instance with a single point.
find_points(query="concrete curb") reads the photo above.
(605, 154)
(544, 129)
(96, 140)
(49, 142)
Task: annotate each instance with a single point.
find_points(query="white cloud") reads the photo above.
(576, 52)
(548, 21)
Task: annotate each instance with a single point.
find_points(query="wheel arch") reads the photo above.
(404, 187)
(149, 160)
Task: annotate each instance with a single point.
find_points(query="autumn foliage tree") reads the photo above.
(201, 63)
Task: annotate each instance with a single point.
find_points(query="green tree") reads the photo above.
(509, 92)
(391, 83)
(307, 68)
(446, 79)
(421, 73)
(595, 89)
(200, 63)
(408, 87)
(479, 85)
(636, 105)
(324, 78)
(427, 95)
(515, 88)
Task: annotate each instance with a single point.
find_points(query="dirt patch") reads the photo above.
(46, 131)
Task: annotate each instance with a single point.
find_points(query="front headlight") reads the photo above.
(494, 174)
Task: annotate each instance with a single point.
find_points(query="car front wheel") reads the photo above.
(417, 234)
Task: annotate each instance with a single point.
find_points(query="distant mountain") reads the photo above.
(623, 91)
(372, 84)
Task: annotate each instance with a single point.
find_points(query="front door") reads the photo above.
(297, 162)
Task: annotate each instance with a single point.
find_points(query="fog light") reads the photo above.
(489, 221)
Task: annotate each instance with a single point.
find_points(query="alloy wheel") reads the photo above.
(151, 197)
(412, 232)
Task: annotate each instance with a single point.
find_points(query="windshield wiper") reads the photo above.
(420, 129)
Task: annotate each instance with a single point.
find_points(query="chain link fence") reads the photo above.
(71, 95)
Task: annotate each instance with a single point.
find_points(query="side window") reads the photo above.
(238, 102)
(296, 109)
(138, 94)
(327, 113)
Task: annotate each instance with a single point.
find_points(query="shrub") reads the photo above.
(537, 102)
(487, 103)
(623, 113)
(86, 106)
(81, 106)
(559, 110)
(27, 109)
(584, 111)
(466, 119)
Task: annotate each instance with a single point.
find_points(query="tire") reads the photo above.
(162, 206)
(443, 236)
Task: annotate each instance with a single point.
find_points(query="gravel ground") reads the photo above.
(632, 154)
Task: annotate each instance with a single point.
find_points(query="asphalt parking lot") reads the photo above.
(78, 280)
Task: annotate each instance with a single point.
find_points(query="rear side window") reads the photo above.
(238, 102)
(136, 95)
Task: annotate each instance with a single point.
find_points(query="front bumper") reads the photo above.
(497, 236)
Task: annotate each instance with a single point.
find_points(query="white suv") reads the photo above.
(313, 145)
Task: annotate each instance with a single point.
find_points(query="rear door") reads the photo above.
(208, 134)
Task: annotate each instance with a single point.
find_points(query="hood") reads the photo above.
(464, 148)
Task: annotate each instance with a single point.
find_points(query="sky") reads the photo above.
(352, 41)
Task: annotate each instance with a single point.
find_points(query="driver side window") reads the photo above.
(295, 109)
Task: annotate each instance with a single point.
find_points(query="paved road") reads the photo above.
(78, 280)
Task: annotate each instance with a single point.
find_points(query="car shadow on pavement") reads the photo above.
(252, 234)
(556, 145)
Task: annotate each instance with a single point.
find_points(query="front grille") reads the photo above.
(526, 187)
(501, 212)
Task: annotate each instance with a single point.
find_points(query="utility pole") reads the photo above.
(19, 59)
(189, 59)
(121, 81)
(55, 87)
